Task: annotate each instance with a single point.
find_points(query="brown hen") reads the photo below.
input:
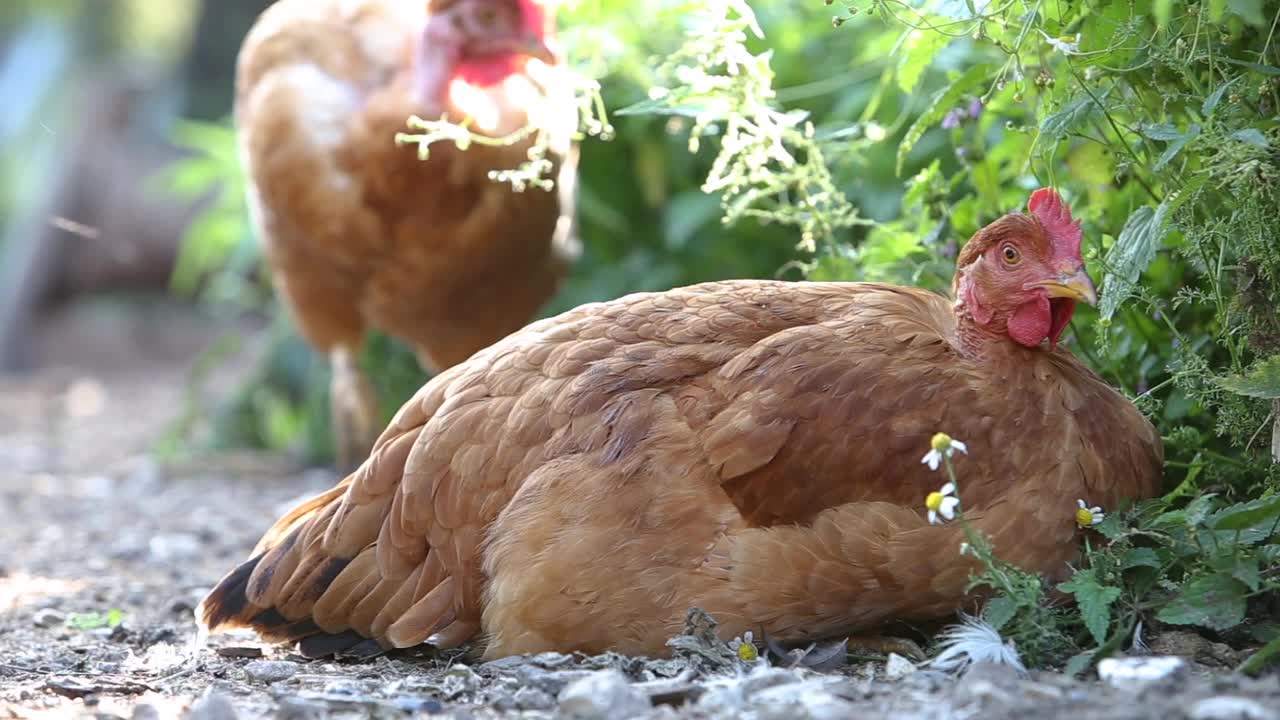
(752, 448)
(359, 232)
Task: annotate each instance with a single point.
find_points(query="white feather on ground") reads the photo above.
(975, 641)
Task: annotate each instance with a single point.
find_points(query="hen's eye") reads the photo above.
(1010, 254)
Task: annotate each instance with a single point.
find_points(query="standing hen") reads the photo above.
(752, 448)
(359, 232)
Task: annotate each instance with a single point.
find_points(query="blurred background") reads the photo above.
(128, 268)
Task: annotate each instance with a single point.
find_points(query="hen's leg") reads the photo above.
(354, 408)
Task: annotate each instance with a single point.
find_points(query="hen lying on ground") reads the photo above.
(752, 448)
(359, 232)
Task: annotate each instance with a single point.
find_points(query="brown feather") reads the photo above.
(749, 447)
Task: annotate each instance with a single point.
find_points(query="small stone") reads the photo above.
(1228, 707)
(48, 618)
(527, 698)
(143, 711)
(1137, 673)
(605, 695)
(292, 708)
(270, 671)
(176, 546)
(898, 667)
(213, 705)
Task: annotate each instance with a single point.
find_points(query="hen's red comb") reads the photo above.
(1047, 205)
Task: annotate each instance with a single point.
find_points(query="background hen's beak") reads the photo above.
(528, 44)
(1074, 285)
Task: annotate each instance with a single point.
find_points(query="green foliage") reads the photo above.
(95, 620)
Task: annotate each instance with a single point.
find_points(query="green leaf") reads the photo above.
(1248, 572)
(1095, 601)
(921, 48)
(1268, 655)
(1249, 10)
(1215, 601)
(1251, 136)
(942, 101)
(1072, 115)
(1161, 131)
(1212, 101)
(661, 106)
(999, 611)
(1248, 515)
(1174, 147)
(1140, 557)
(1132, 253)
(1256, 67)
(1262, 380)
(1078, 663)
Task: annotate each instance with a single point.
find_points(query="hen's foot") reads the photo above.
(354, 408)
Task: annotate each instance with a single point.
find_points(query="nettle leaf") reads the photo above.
(1140, 557)
(1132, 253)
(1212, 101)
(1248, 515)
(1251, 136)
(1215, 601)
(944, 100)
(1262, 381)
(1072, 115)
(999, 611)
(1175, 146)
(1248, 572)
(1095, 601)
(1161, 131)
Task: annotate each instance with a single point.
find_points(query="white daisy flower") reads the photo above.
(1088, 516)
(942, 503)
(1065, 44)
(943, 445)
(744, 647)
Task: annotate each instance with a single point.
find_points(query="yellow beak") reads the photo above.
(1074, 285)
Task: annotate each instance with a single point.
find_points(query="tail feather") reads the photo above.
(320, 578)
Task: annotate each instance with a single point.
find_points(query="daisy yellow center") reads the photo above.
(940, 442)
(1084, 517)
(747, 652)
(933, 501)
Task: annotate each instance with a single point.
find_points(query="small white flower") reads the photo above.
(1088, 516)
(943, 445)
(744, 647)
(942, 503)
(965, 548)
(1065, 44)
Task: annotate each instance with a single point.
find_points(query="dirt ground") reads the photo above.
(105, 550)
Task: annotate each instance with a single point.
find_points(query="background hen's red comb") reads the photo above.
(1047, 205)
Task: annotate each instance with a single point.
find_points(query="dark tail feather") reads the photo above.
(228, 603)
(228, 606)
